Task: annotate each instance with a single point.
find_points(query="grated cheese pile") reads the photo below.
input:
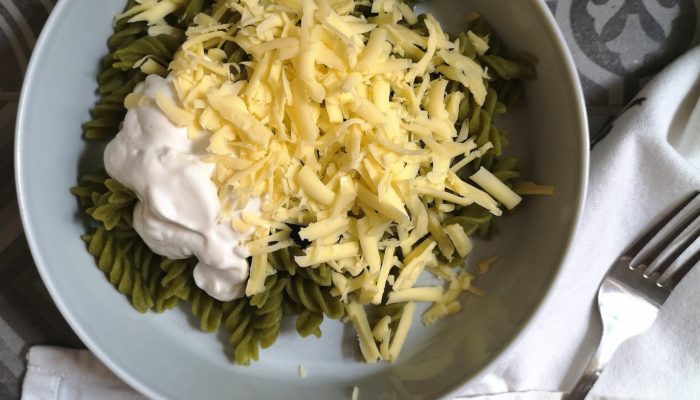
(339, 124)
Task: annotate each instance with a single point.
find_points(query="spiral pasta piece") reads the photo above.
(506, 169)
(106, 201)
(320, 275)
(158, 48)
(115, 257)
(253, 327)
(508, 69)
(268, 318)
(207, 309)
(314, 297)
(260, 299)
(177, 281)
(238, 323)
(283, 261)
(470, 218)
(309, 323)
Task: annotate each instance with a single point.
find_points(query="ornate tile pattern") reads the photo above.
(618, 45)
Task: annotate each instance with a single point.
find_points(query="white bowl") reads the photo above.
(165, 356)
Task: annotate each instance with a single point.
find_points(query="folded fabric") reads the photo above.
(66, 374)
(645, 165)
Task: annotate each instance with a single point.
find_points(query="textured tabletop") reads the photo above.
(617, 46)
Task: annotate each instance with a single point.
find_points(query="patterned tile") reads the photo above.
(618, 45)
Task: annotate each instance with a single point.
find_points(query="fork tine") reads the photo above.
(666, 237)
(680, 273)
(675, 249)
(640, 244)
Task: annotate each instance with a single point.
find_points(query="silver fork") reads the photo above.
(639, 282)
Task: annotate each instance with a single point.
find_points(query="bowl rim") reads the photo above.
(131, 378)
(571, 74)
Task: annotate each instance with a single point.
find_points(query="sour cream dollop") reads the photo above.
(176, 214)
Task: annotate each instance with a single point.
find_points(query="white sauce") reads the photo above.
(176, 214)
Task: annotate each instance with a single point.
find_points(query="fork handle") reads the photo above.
(609, 342)
(588, 379)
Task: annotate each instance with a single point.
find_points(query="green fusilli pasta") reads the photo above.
(283, 260)
(313, 297)
(106, 201)
(176, 283)
(207, 309)
(114, 252)
(256, 326)
(153, 282)
(309, 323)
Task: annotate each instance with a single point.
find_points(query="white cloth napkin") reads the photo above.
(648, 162)
(645, 166)
(55, 373)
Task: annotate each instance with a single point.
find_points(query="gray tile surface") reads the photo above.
(617, 45)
